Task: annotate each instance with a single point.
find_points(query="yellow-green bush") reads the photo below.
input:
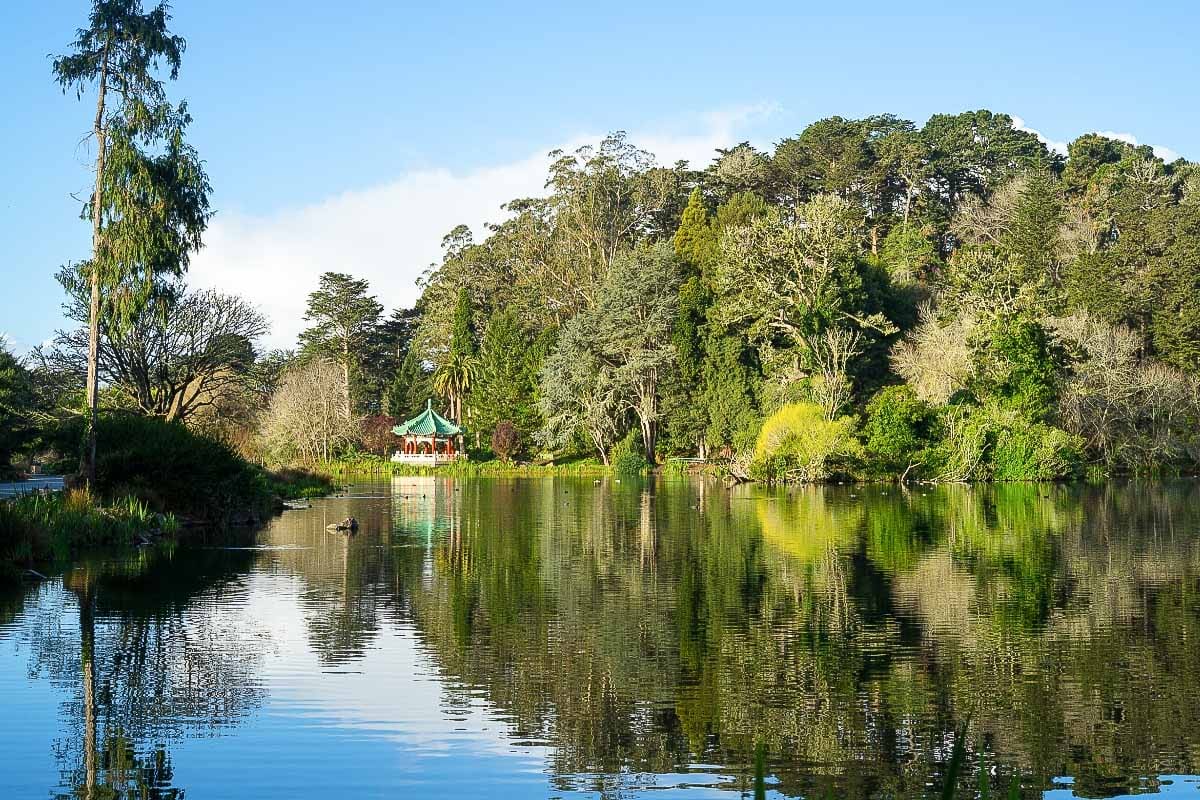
(797, 443)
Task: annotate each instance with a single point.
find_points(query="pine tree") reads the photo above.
(695, 241)
(1033, 235)
(343, 318)
(462, 335)
(506, 389)
(410, 388)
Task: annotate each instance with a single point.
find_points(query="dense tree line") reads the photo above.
(870, 299)
(954, 300)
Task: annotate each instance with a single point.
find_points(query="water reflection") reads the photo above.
(638, 638)
(143, 663)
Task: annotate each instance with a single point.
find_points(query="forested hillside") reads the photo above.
(871, 299)
(954, 299)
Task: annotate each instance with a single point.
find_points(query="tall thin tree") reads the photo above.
(149, 203)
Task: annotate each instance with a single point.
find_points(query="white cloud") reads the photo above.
(390, 233)
(1057, 147)
(1165, 153)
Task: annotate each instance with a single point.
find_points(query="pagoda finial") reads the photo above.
(428, 403)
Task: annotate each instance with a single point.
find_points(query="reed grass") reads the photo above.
(54, 527)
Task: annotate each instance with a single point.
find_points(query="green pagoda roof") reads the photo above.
(427, 423)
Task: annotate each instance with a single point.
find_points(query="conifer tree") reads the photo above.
(344, 318)
(462, 335)
(695, 241)
(149, 203)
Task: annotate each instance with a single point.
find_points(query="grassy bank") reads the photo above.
(366, 465)
(53, 528)
(292, 483)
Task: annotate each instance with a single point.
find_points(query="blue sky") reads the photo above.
(352, 135)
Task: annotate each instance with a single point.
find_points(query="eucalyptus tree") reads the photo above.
(798, 283)
(149, 202)
(603, 199)
(344, 317)
(466, 267)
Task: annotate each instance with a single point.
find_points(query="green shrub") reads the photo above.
(172, 468)
(896, 431)
(1036, 452)
(993, 442)
(627, 457)
(962, 438)
(797, 443)
(1018, 363)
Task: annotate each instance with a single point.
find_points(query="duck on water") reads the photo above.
(348, 525)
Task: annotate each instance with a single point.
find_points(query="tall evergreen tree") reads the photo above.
(1033, 235)
(149, 203)
(506, 388)
(728, 394)
(695, 242)
(462, 335)
(16, 404)
(386, 349)
(343, 317)
(696, 247)
(411, 386)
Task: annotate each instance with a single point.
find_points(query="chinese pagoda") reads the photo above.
(429, 439)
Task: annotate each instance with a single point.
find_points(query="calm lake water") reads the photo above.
(557, 638)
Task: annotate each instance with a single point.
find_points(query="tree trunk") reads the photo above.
(88, 465)
(649, 434)
(599, 443)
(87, 646)
(346, 376)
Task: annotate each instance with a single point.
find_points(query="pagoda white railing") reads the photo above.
(425, 459)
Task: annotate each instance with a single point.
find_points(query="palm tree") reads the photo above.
(453, 379)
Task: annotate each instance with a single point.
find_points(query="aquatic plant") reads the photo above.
(56, 526)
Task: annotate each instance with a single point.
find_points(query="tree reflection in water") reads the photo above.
(809, 641)
(640, 629)
(145, 663)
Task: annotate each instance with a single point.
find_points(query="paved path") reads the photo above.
(42, 483)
